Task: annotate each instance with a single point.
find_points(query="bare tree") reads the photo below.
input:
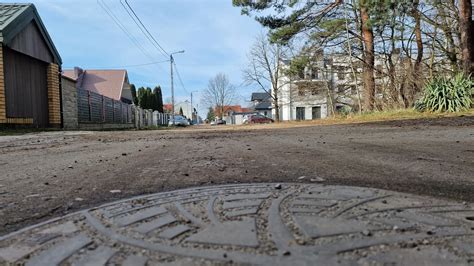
(264, 69)
(219, 93)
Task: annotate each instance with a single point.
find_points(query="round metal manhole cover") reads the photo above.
(295, 224)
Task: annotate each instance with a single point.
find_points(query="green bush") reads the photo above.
(344, 111)
(447, 94)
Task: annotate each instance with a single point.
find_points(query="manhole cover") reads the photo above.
(254, 224)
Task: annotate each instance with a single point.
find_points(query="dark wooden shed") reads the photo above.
(29, 69)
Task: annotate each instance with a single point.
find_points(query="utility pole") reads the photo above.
(192, 109)
(172, 84)
(172, 89)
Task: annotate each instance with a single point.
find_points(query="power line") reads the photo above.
(179, 78)
(127, 66)
(109, 12)
(141, 29)
(141, 23)
(117, 22)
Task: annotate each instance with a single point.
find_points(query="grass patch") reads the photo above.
(400, 114)
(376, 116)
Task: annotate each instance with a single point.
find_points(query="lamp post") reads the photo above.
(172, 84)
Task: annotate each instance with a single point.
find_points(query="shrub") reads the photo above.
(344, 111)
(447, 94)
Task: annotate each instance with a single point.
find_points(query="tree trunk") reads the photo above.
(277, 110)
(369, 60)
(467, 35)
(417, 71)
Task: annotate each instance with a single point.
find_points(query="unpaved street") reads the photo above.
(50, 174)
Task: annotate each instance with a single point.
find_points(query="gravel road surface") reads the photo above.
(47, 175)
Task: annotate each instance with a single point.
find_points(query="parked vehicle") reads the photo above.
(179, 121)
(258, 119)
(218, 122)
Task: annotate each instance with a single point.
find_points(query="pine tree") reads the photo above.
(150, 99)
(158, 98)
(141, 97)
(134, 94)
(210, 114)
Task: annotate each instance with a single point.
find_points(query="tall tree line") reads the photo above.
(413, 40)
(147, 98)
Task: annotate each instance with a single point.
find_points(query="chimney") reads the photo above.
(77, 72)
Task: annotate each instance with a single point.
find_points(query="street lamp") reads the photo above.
(172, 85)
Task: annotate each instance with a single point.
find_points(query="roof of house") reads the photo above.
(167, 106)
(15, 17)
(260, 96)
(265, 105)
(227, 109)
(105, 82)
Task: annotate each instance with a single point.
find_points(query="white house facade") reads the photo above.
(325, 86)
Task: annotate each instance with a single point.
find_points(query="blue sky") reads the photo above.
(215, 36)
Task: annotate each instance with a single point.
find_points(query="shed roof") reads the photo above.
(15, 17)
(260, 96)
(265, 105)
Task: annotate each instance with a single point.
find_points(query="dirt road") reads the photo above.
(50, 174)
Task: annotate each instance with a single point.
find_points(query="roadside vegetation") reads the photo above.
(399, 54)
(447, 94)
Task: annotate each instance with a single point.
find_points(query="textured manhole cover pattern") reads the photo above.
(254, 224)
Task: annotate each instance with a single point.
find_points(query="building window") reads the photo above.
(316, 112)
(314, 74)
(300, 113)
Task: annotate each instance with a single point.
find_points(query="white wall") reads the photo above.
(289, 100)
(186, 108)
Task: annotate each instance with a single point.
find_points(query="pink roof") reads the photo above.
(105, 82)
(167, 106)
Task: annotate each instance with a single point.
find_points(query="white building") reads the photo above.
(326, 85)
(185, 106)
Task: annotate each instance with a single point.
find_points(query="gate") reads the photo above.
(26, 88)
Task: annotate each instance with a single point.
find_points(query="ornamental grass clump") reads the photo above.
(446, 94)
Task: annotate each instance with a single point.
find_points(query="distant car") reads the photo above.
(220, 122)
(246, 118)
(178, 121)
(259, 119)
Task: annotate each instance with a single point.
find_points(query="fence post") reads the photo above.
(90, 105)
(113, 111)
(103, 109)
